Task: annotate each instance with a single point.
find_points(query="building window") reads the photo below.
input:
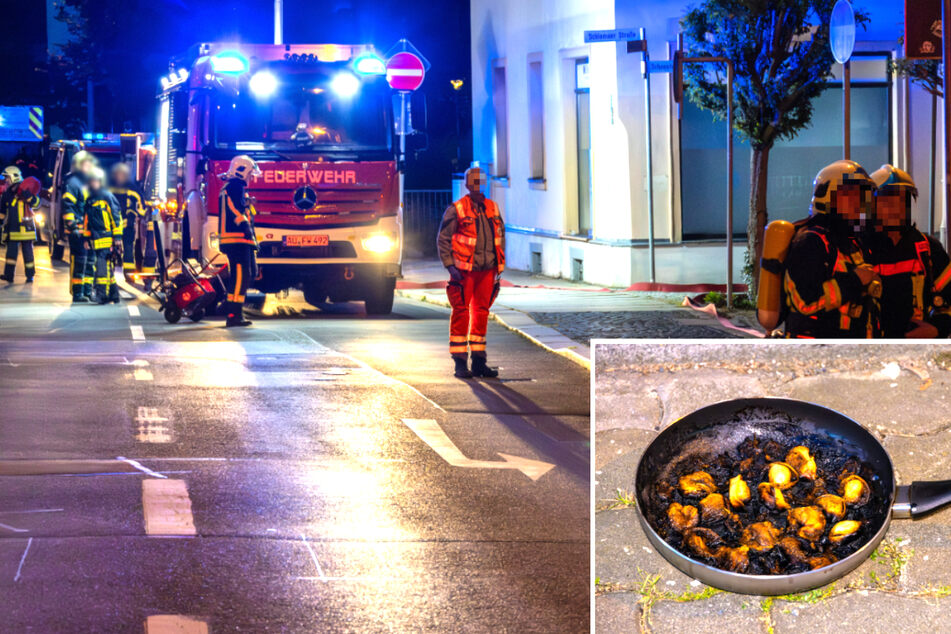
(583, 132)
(500, 105)
(792, 163)
(536, 121)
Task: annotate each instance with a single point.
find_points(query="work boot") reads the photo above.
(236, 319)
(101, 298)
(7, 279)
(114, 295)
(80, 299)
(29, 280)
(462, 368)
(479, 368)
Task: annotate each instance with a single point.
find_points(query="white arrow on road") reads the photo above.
(433, 435)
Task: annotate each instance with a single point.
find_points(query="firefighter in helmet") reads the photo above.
(830, 289)
(915, 268)
(236, 235)
(17, 223)
(73, 212)
(102, 233)
(471, 245)
(137, 229)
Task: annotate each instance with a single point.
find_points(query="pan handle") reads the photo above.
(921, 498)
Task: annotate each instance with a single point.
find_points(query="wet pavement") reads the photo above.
(321, 471)
(899, 392)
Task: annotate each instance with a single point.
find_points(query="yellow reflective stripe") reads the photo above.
(22, 235)
(69, 217)
(69, 197)
(102, 243)
(943, 279)
(459, 339)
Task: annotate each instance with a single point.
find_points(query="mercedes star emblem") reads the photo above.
(305, 198)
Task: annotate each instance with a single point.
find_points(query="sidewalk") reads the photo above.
(565, 315)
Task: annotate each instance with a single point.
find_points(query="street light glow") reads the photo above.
(345, 85)
(263, 84)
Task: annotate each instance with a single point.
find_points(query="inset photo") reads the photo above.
(771, 487)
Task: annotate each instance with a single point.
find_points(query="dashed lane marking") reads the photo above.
(26, 551)
(137, 333)
(167, 508)
(174, 624)
(133, 310)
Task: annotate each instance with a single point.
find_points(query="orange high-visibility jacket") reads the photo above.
(466, 235)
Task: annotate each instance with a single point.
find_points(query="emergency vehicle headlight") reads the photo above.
(229, 63)
(379, 243)
(345, 85)
(369, 65)
(263, 83)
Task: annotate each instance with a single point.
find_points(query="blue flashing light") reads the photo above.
(369, 65)
(263, 84)
(229, 63)
(87, 136)
(345, 85)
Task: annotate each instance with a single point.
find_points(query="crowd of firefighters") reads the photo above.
(105, 224)
(857, 267)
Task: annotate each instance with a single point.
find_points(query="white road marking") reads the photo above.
(152, 428)
(30, 511)
(142, 468)
(137, 333)
(14, 528)
(433, 435)
(313, 556)
(133, 310)
(26, 551)
(167, 508)
(174, 624)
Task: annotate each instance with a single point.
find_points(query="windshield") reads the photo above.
(303, 111)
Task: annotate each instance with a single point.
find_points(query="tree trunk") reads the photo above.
(759, 171)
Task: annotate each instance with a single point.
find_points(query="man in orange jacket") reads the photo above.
(471, 244)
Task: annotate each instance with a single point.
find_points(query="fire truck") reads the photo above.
(319, 121)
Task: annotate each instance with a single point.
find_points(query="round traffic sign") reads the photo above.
(405, 71)
(842, 31)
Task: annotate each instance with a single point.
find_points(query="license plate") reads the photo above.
(306, 240)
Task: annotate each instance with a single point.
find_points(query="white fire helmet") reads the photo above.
(97, 174)
(833, 176)
(243, 167)
(12, 175)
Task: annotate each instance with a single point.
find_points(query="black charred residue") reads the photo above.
(751, 458)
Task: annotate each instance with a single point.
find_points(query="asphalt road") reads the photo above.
(320, 471)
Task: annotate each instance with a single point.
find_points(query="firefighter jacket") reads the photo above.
(911, 271)
(130, 202)
(103, 220)
(16, 216)
(824, 295)
(74, 202)
(472, 236)
(235, 214)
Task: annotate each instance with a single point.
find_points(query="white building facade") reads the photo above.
(561, 126)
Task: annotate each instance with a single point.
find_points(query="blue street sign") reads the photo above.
(611, 35)
(21, 123)
(661, 66)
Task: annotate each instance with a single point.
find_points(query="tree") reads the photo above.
(781, 58)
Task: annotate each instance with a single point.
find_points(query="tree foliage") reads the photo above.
(781, 57)
(924, 72)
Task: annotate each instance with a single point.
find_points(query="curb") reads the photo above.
(519, 322)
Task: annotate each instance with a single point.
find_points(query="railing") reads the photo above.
(422, 212)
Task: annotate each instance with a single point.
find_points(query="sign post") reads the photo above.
(842, 43)
(637, 43)
(405, 72)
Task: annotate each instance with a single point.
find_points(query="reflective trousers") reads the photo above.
(81, 267)
(104, 283)
(241, 270)
(138, 245)
(13, 247)
(470, 299)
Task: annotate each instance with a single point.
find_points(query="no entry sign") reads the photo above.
(405, 71)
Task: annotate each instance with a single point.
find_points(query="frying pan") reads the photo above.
(722, 426)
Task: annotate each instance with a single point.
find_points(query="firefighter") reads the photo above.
(471, 244)
(915, 268)
(236, 236)
(102, 232)
(830, 289)
(136, 230)
(17, 205)
(74, 210)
